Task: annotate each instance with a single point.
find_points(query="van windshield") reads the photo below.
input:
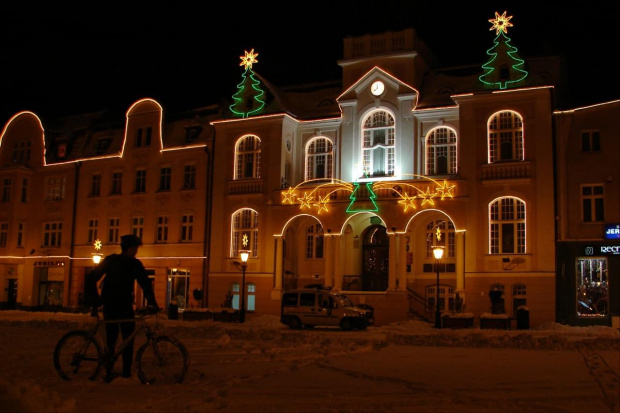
(344, 300)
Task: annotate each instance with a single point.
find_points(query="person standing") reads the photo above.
(117, 296)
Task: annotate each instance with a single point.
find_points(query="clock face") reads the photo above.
(377, 88)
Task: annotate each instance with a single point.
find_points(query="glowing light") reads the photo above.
(445, 190)
(438, 234)
(408, 201)
(289, 196)
(500, 23)
(250, 58)
(245, 241)
(322, 204)
(502, 54)
(427, 197)
(354, 200)
(97, 244)
(305, 201)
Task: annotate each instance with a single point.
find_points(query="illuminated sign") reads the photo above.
(612, 231)
(602, 250)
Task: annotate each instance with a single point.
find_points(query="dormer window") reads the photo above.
(192, 133)
(143, 137)
(62, 151)
(103, 145)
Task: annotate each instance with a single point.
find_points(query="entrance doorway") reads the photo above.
(375, 259)
(12, 294)
(178, 287)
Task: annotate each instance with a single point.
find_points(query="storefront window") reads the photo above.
(592, 287)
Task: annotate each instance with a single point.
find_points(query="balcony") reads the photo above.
(506, 170)
(245, 186)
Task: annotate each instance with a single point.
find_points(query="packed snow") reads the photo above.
(263, 366)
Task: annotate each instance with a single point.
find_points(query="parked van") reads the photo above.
(319, 306)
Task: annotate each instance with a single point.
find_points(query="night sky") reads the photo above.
(65, 59)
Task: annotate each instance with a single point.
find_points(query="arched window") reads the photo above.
(507, 226)
(314, 241)
(447, 237)
(505, 137)
(378, 144)
(441, 151)
(244, 232)
(247, 157)
(319, 159)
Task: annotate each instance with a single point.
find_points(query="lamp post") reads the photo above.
(244, 254)
(438, 253)
(97, 255)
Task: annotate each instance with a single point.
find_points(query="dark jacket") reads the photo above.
(117, 290)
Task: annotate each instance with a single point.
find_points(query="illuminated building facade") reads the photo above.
(348, 185)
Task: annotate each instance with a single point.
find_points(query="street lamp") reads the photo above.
(97, 255)
(438, 253)
(244, 254)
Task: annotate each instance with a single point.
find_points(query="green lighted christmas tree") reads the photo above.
(504, 67)
(356, 204)
(249, 97)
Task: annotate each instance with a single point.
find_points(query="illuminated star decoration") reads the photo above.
(250, 58)
(427, 197)
(322, 204)
(408, 201)
(445, 190)
(500, 23)
(245, 241)
(438, 232)
(305, 201)
(98, 244)
(289, 196)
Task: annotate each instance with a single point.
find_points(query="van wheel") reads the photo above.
(345, 324)
(294, 323)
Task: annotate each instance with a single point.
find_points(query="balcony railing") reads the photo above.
(245, 186)
(506, 170)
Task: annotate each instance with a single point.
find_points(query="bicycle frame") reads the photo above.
(140, 319)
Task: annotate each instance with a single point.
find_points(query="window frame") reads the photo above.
(498, 225)
(499, 131)
(247, 156)
(433, 147)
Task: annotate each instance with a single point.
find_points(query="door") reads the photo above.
(375, 259)
(12, 294)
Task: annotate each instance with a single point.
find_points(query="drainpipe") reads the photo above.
(207, 232)
(78, 166)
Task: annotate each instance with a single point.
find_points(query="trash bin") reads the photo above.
(523, 318)
(173, 311)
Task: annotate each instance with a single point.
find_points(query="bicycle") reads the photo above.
(162, 359)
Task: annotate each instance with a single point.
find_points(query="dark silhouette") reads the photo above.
(117, 295)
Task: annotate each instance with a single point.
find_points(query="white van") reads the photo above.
(319, 306)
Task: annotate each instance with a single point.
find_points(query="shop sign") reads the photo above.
(602, 250)
(612, 231)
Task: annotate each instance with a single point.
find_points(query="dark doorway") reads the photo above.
(12, 294)
(375, 259)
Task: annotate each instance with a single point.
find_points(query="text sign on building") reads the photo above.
(602, 250)
(612, 231)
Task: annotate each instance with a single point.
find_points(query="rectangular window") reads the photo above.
(6, 190)
(592, 202)
(189, 177)
(137, 226)
(162, 228)
(187, 227)
(140, 181)
(592, 287)
(165, 176)
(143, 136)
(24, 195)
(55, 189)
(52, 234)
(117, 183)
(4, 233)
(93, 230)
(20, 234)
(95, 185)
(590, 141)
(113, 230)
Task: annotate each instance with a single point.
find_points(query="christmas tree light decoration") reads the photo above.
(354, 200)
(504, 67)
(248, 100)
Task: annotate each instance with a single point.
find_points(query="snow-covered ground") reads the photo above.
(262, 366)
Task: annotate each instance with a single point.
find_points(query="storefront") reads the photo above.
(588, 283)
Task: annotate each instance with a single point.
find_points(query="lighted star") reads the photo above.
(438, 234)
(500, 23)
(98, 244)
(446, 190)
(250, 58)
(305, 201)
(289, 196)
(427, 197)
(245, 240)
(322, 204)
(408, 201)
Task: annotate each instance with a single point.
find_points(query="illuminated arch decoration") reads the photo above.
(248, 100)
(504, 67)
(410, 195)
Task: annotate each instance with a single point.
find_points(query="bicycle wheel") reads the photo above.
(77, 356)
(162, 360)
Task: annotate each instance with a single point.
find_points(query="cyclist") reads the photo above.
(117, 295)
